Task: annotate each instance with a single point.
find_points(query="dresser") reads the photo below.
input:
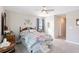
(11, 38)
(11, 48)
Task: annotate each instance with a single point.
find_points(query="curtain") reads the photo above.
(40, 25)
(3, 23)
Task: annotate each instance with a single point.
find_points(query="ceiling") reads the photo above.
(35, 10)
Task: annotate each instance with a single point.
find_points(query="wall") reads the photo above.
(72, 31)
(56, 26)
(49, 28)
(15, 20)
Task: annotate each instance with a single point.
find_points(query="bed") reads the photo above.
(35, 41)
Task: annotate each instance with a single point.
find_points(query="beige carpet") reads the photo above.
(62, 46)
(59, 46)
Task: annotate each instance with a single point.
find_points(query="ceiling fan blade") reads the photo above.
(50, 10)
(44, 9)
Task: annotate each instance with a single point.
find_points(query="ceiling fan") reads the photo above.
(46, 10)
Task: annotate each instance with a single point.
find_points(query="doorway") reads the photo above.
(60, 27)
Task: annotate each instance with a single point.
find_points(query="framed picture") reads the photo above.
(77, 22)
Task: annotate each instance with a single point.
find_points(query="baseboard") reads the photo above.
(72, 42)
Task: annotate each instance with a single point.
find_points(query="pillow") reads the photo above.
(32, 30)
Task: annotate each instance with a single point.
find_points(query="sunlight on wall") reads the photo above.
(49, 24)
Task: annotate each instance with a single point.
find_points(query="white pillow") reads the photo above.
(32, 30)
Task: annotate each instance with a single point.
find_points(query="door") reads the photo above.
(60, 27)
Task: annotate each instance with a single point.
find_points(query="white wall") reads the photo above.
(15, 20)
(72, 31)
(50, 29)
(56, 26)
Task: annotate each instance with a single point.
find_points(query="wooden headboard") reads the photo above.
(26, 28)
(22, 29)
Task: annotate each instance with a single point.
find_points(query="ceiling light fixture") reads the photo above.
(45, 12)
